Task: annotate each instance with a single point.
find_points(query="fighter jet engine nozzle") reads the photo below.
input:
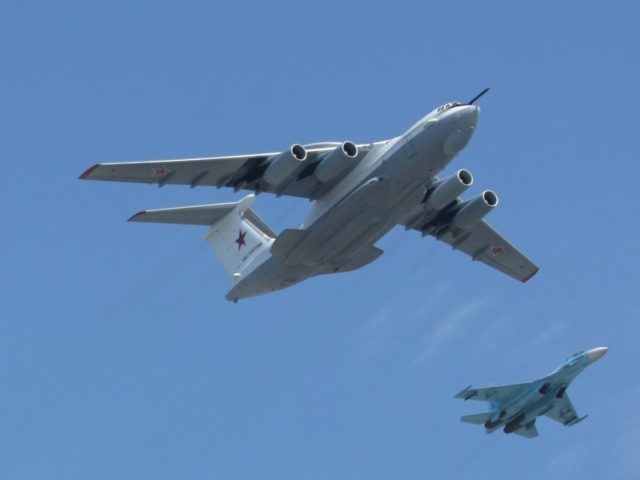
(448, 189)
(335, 162)
(596, 354)
(514, 424)
(474, 210)
(284, 165)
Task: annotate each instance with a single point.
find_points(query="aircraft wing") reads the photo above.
(480, 241)
(238, 172)
(564, 412)
(499, 394)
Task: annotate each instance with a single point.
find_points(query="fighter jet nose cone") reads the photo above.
(596, 354)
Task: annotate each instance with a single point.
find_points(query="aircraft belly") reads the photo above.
(350, 217)
(371, 210)
(367, 238)
(529, 412)
(270, 276)
(328, 244)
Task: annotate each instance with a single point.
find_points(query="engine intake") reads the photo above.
(336, 162)
(472, 211)
(284, 165)
(448, 189)
(545, 388)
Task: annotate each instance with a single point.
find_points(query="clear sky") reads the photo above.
(120, 358)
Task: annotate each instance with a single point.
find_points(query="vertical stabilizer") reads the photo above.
(238, 236)
(240, 239)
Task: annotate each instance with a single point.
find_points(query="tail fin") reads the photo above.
(238, 239)
(237, 234)
(477, 418)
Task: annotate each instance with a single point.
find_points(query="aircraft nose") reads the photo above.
(597, 353)
(471, 114)
(464, 119)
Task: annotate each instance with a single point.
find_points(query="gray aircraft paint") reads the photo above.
(362, 192)
(405, 177)
(515, 408)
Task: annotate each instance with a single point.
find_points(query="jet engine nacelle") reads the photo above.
(284, 165)
(448, 189)
(514, 424)
(473, 210)
(335, 162)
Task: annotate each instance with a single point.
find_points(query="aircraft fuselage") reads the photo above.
(379, 193)
(543, 395)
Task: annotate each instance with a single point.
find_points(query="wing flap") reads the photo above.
(494, 394)
(213, 171)
(238, 171)
(564, 412)
(482, 243)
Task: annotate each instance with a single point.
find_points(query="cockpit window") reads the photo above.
(447, 106)
(573, 358)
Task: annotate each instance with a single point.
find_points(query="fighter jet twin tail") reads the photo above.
(358, 193)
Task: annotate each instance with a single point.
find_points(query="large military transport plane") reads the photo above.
(516, 407)
(358, 194)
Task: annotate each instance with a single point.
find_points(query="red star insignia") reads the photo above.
(497, 251)
(240, 240)
(160, 172)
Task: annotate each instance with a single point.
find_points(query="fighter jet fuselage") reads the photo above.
(515, 408)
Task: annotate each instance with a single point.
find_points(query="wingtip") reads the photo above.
(133, 217)
(87, 173)
(461, 393)
(526, 279)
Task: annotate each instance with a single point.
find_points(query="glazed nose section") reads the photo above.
(596, 354)
(464, 120)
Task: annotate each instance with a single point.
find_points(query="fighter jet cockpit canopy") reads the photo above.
(572, 359)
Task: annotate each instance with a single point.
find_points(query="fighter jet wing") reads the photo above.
(238, 172)
(494, 394)
(564, 412)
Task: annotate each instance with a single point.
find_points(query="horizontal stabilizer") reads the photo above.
(477, 418)
(196, 215)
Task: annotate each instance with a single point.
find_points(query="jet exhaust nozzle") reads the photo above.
(474, 210)
(448, 189)
(284, 165)
(336, 162)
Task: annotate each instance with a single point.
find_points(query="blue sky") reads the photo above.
(120, 358)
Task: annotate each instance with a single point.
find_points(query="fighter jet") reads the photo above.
(357, 192)
(515, 408)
